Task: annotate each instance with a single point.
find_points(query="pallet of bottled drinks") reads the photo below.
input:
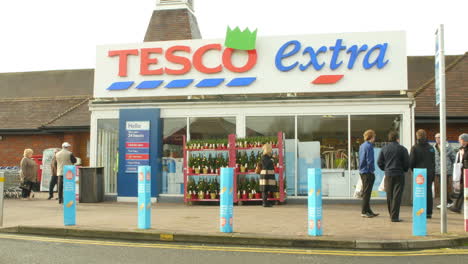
(203, 160)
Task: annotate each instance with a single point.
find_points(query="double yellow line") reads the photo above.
(434, 252)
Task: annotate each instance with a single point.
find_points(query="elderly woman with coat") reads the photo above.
(267, 175)
(28, 175)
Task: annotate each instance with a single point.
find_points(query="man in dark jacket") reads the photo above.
(463, 139)
(394, 160)
(423, 157)
(54, 178)
(366, 170)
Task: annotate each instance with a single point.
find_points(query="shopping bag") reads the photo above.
(382, 185)
(358, 191)
(456, 187)
(457, 171)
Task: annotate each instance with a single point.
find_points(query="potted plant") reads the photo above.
(213, 190)
(191, 162)
(244, 189)
(258, 194)
(251, 188)
(197, 164)
(204, 165)
(201, 189)
(191, 189)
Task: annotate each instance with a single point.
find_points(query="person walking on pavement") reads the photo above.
(394, 160)
(64, 157)
(28, 175)
(54, 178)
(450, 159)
(366, 170)
(267, 175)
(422, 156)
(463, 139)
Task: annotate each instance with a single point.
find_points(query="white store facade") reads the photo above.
(322, 91)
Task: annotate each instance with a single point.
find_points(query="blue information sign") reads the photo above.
(137, 145)
(69, 195)
(315, 224)
(226, 200)
(419, 202)
(144, 197)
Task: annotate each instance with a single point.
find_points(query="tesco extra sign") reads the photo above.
(347, 62)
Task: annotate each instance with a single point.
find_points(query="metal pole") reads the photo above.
(2, 182)
(443, 136)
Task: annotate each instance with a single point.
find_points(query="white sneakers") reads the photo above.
(448, 205)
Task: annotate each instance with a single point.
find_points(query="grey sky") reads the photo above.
(62, 34)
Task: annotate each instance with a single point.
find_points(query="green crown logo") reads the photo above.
(241, 40)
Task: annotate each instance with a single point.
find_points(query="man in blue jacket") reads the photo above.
(366, 170)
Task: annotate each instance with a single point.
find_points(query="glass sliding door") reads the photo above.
(108, 152)
(323, 143)
(174, 129)
(270, 126)
(382, 125)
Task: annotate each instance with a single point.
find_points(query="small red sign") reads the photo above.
(137, 145)
(420, 179)
(137, 157)
(141, 177)
(69, 175)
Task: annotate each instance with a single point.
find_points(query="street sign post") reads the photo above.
(144, 197)
(440, 101)
(420, 202)
(226, 200)
(69, 196)
(314, 183)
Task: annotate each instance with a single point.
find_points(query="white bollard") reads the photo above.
(2, 182)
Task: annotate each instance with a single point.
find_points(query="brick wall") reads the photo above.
(12, 146)
(453, 130)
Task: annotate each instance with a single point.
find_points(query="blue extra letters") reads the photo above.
(370, 60)
(280, 55)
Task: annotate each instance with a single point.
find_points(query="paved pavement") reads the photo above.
(30, 249)
(341, 222)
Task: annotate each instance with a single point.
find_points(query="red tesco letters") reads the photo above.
(149, 59)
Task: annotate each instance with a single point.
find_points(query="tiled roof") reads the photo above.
(47, 83)
(37, 114)
(173, 24)
(456, 79)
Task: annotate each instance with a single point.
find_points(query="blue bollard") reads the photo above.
(69, 195)
(315, 223)
(419, 202)
(144, 197)
(226, 200)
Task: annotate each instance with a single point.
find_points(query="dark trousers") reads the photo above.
(26, 190)
(459, 202)
(265, 198)
(368, 180)
(53, 182)
(60, 188)
(430, 200)
(394, 186)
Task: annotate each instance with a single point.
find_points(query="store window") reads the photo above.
(270, 126)
(212, 127)
(107, 152)
(323, 143)
(382, 125)
(174, 130)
